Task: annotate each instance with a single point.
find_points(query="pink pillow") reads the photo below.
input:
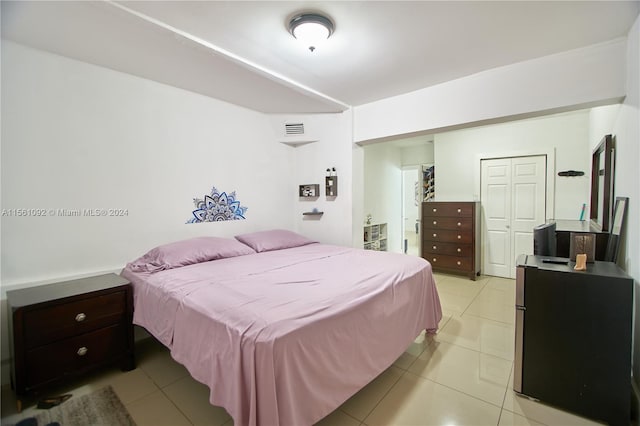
(188, 252)
(275, 239)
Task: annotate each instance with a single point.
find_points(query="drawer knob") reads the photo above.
(434, 259)
(459, 210)
(459, 263)
(435, 210)
(459, 237)
(82, 351)
(435, 222)
(459, 224)
(81, 317)
(435, 247)
(459, 249)
(435, 235)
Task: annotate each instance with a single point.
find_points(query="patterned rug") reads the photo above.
(99, 408)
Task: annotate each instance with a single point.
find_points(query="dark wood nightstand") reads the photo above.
(58, 331)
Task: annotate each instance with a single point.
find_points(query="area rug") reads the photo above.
(99, 408)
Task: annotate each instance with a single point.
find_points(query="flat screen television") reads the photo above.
(544, 239)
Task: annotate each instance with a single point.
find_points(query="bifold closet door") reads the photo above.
(513, 194)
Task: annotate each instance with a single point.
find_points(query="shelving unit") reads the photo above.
(375, 237)
(331, 186)
(428, 183)
(307, 191)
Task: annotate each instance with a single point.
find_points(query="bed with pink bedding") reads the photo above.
(282, 329)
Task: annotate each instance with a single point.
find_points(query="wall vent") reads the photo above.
(294, 129)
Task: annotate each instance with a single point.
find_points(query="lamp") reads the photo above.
(311, 29)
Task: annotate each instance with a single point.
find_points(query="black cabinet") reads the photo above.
(573, 337)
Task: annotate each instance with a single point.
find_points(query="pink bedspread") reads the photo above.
(285, 337)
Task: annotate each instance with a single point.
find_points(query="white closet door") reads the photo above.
(513, 193)
(496, 205)
(528, 179)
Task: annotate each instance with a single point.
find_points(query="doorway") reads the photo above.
(513, 198)
(411, 193)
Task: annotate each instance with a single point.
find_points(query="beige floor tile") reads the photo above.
(414, 350)
(156, 410)
(155, 360)
(493, 304)
(507, 418)
(481, 334)
(338, 418)
(480, 375)
(193, 399)
(417, 401)
(539, 411)
(130, 386)
(363, 402)
(455, 303)
(461, 286)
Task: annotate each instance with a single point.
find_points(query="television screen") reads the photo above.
(544, 239)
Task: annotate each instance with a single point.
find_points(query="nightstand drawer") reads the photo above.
(72, 356)
(453, 223)
(60, 321)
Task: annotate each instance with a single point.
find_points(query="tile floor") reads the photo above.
(460, 376)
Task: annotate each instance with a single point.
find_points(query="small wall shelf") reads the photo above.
(308, 191)
(331, 186)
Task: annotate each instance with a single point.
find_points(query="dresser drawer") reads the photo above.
(435, 247)
(75, 355)
(447, 209)
(63, 320)
(455, 223)
(446, 236)
(450, 262)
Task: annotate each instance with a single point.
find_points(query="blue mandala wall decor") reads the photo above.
(217, 207)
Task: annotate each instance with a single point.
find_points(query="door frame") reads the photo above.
(550, 179)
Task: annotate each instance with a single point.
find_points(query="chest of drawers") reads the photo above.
(65, 329)
(451, 237)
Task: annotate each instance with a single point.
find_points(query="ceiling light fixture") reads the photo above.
(311, 29)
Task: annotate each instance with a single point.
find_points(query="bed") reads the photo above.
(280, 328)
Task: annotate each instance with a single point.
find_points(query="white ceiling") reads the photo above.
(241, 52)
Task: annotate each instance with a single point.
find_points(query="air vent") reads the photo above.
(294, 129)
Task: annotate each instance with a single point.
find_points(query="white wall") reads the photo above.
(77, 136)
(383, 191)
(581, 77)
(624, 122)
(332, 148)
(417, 155)
(563, 136)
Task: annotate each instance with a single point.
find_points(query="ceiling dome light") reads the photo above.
(311, 29)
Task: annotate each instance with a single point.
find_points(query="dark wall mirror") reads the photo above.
(602, 177)
(617, 222)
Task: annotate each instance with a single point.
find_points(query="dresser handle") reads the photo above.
(459, 224)
(435, 210)
(459, 250)
(435, 247)
(81, 317)
(82, 351)
(434, 259)
(459, 210)
(435, 235)
(459, 263)
(459, 237)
